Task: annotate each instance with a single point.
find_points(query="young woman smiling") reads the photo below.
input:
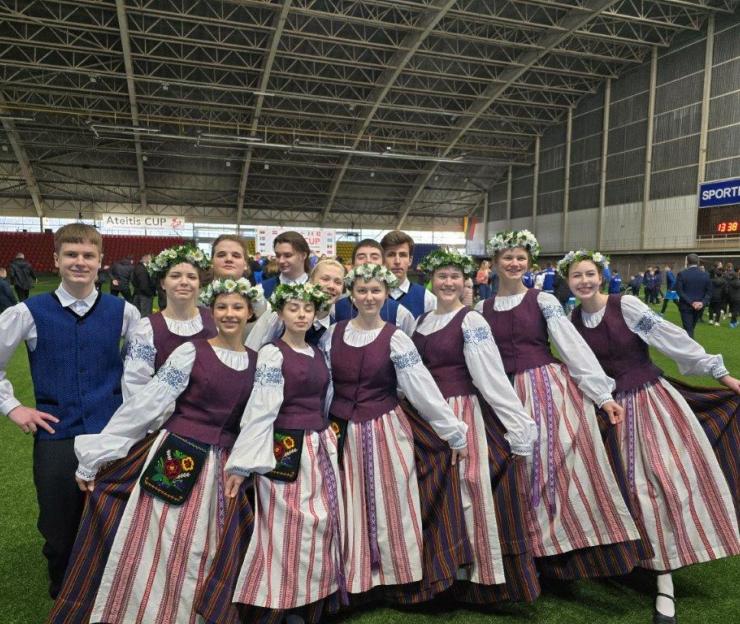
(673, 475)
(457, 347)
(155, 337)
(370, 359)
(581, 525)
(118, 573)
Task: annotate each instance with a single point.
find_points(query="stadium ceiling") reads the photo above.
(339, 112)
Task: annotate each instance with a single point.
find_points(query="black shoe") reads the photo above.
(659, 618)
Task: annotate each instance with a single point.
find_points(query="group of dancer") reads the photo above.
(391, 445)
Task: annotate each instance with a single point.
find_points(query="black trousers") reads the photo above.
(60, 504)
(689, 319)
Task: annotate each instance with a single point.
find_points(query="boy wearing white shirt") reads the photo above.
(73, 341)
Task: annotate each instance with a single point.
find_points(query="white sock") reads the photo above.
(666, 606)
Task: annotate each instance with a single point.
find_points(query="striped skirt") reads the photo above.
(383, 541)
(104, 508)
(681, 492)
(295, 554)
(161, 553)
(576, 501)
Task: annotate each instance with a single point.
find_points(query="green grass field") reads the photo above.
(707, 593)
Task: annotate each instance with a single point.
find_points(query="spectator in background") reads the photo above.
(670, 288)
(694, 290)
(733, 296)
(548, 283)
(650, 281)
(255, 267)
(717, 301)
(636, 284)
(606, 276)
(144, 286)
(7, 298)
(103, 277)
(121, 273)
(528, 279)
(271, 269)
(615, 284)
(21, 275)
(482, 279)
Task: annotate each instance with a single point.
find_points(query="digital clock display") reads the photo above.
(727, 227)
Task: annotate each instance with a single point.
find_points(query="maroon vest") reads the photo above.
(364, 377)
(165, 342)
(520, 334)
(305, 381)
(619, 350)
(210, 409)
(443, 354)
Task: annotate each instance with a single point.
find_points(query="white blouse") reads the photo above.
(414, 380)
(146, 410)
(572, 348)
(669, 339)
(138, 367)
(484, 364)
(253, 450)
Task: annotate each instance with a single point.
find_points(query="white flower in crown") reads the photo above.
(228, 286)
(573, 257)
(302, 292)
(370, 271)
(512, 239)
(167, 258)
(444, 258)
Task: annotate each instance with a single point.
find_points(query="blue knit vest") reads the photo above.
(413, 300)
(269, 285)
(76, 366)
(344, 310)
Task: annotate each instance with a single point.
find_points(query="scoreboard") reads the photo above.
(719, 208)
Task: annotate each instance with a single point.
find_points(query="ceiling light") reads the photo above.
(165, 86)
(372, 174)
(145, 158)
(5, 148)
(93, 79)
(267, 166)
(228, 163)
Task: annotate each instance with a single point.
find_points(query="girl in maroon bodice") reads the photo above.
(148, 565)
(673, 476)
(580, 523)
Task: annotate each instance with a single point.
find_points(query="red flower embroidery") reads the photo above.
(279, 451)
(172, 468)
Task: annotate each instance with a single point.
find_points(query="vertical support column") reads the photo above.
(566, 180)
(508, 196)
(704, 128)
(602, 175)
(649, 145)
(535, 183)
(485, 219)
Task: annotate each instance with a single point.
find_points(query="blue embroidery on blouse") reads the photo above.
(719, 370)
(552, 310)
(477, 335)
(173, 377)
(141, 351)
(268, 376)
(406, 360)
(647, 322)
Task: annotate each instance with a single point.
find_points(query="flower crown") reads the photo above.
(572, 257)
(308, 292)
(512, 239)
(370, 271)
(228, 286)
(168, 258)
(447, 257)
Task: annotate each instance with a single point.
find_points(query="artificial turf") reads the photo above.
(706, 593)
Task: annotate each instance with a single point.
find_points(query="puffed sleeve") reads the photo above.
(670, 340)
(144, 411)
(418, 385)
(138, 366)
(259, 303)
(575, 353)
(405, 321)
(487, 370)
(265, 330)
(253, 450)
(16, 325)
(131, 318)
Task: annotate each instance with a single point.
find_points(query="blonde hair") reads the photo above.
(77, 233)
(327, 262)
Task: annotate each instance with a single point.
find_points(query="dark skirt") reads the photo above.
(446, 546)
(717, 410)
(101, 517)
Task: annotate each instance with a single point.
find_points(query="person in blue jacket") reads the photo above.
(7, 297)
(694, 290)
(615, 284)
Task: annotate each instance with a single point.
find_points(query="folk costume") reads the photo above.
(154, 339)
(673, 475)
(576, 502)
(392, 312)
(168, 532)
(414, 297)
(269, 328)
(295, 557)
(459, 351)
(383, 542)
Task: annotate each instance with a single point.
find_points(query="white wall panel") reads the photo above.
(622, 226)
(582, 229)
(670, 223)
(550, 231)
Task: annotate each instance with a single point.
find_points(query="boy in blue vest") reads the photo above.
(73, 341)
(398, 252)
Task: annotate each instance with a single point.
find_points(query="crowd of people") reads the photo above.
(289, 438)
